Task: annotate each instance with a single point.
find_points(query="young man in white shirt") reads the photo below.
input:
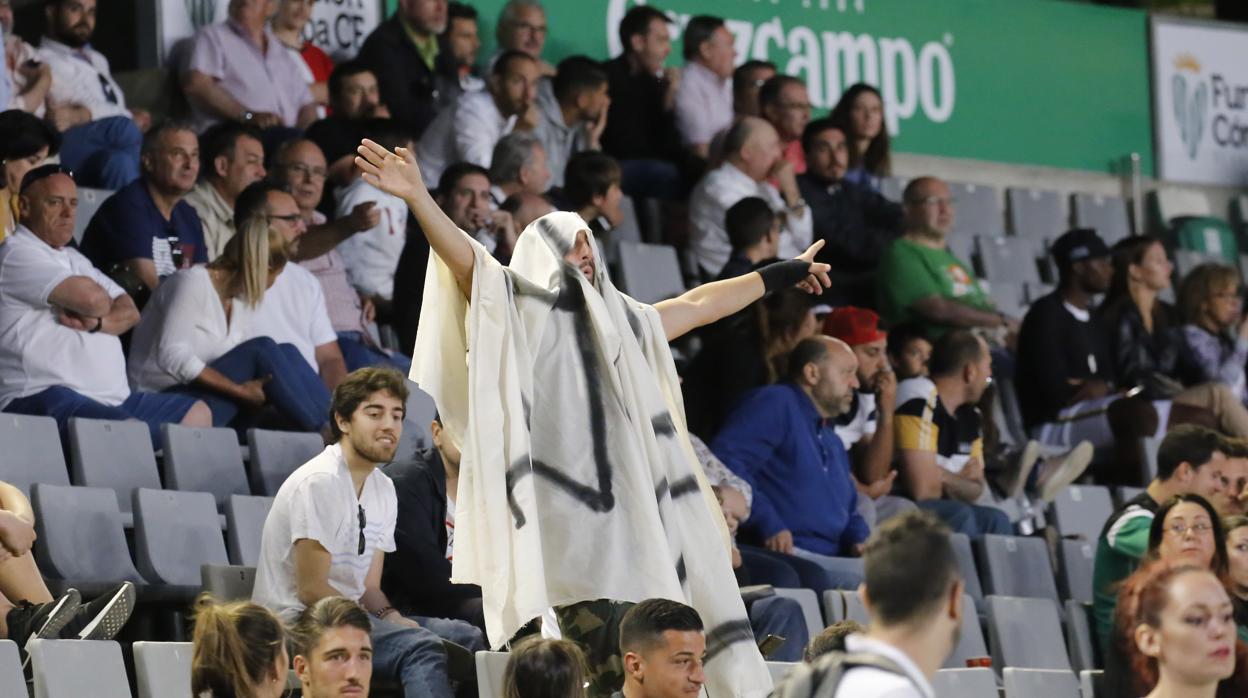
(332, 523)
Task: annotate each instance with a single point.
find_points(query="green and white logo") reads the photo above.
(1190, 106)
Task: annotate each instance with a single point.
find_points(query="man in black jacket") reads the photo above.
(402, 52)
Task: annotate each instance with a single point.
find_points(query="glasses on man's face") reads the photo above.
(1178, 530)
(305, 171)
(363, 523)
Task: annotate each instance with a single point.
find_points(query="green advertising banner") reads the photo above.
(1038, 83)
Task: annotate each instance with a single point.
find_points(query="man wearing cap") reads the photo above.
(867, 428)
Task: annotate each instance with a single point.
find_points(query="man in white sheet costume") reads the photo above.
(577, 481)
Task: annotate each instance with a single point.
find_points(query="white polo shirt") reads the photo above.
(293, 312)
(37, 352)
(318, 502)
(82, 76)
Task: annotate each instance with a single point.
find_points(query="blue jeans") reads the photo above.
(790, 571)
(103, 153)
(845, 572)
(413, 656)
(295, 389)
(972, 519)
(359, 354)
(62, 403)
(780, 615)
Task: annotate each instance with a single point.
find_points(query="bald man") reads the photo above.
(752, 161)
(781, 439)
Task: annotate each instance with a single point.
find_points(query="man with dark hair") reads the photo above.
(519, 166)
(1190, 460)
(457, 54)
(574, 115)
(704, 97)
(354, 98)
(857, 223)
(914, 625)
(331, 524)
(526, 208)
(146, 227)
(333, 653)
(909, 350)
(781, 440)
(231, 157)
(402, 52)
(784, 102)
(747, 80)
(663, 647)
(593, 190)
(754, 231)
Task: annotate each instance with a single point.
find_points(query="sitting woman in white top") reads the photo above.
(196, 335)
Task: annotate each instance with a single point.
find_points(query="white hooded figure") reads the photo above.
(577, 480)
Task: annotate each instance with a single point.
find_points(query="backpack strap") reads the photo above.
(821, 679)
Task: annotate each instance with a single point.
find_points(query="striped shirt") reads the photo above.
(923, 424)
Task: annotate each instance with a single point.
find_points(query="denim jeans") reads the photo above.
(103, 153)
(793, 572)
(845, 572)
(359, 354)
(413, 656)
(972, 519)
(780, 615)
(62, 403)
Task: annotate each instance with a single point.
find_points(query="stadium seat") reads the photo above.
(89, 201)
(1040, 683)
(810, 608)
(204, 460)
(77, 668)
(1035, 213)
(1035, 290)
(163, 669)
(1080, 641)
(1164, 205)
(1075, 561)
(1126, 493)
(32, 452)
(1026, 633)
(962, 246)
(1080, 511)
(1187, 260)
(855, 609)
(629, 228)
(490, 669)
(1008, 259)
(966, 566)
(105, 453)
(1211, 237)
(63, 517)
(780, 670)
(420, 412)
(1017, 566)
(244, 517)
(228, 582)
(174, 534)
(833, 606)
(892, 188)
(1010, 297)
(650, 273)
(978, 211)
(12, 682)
(970, 640)
(1088, 681)
(276, 454)
(1106, 214)
(965, 683)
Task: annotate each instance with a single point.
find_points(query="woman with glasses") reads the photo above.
(1215, 332)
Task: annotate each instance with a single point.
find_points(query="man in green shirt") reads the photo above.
(920, 280)
(1190, 460)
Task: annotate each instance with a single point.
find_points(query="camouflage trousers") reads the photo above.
(595, 625)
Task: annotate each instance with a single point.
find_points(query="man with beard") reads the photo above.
(340, 510)
(354, 98)
(573, 117)
(403, 53)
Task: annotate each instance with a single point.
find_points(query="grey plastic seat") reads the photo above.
(965, 683)
(1126, 493)
(963, 247)
(1187, 260)
(1035, 290)
(12, 681)
(978, 210)
(1010, 297)
(1017, 566)
(32, 452)
(89, 201)
(1026, 633)
(105, 453)
(1035, 213)
(276, 454)
(244, 519)
(1008, 258)
(64, 516)
(1106, 214)
(77, 668)
(855, 609)
(892, 188)
(1080, 511)
(810, 608)
(228, 582)
(204, 460)
(1040, 683)
(174, 534)
(650, 273)
(833, 606)
(420, 412)
(966, 566)
(1076, 559)
(490, 669)
(971, 640)
(163, 669)
(1080, 641)
(1088, 681)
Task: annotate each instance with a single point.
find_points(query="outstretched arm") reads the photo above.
(718, 299)
(397, 173)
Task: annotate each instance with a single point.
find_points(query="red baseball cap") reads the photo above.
(854, 326)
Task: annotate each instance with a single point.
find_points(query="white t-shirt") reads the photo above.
(37, 352)
(293, 311)
(862, 423)
(373, 255)
(318, 502)
(869, 682)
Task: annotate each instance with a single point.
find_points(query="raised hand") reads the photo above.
(818, 279)
(392, 172)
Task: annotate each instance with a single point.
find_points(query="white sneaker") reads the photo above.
(1058, 472)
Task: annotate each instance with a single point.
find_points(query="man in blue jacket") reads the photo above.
(782, 440)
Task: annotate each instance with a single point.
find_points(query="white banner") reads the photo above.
(338, 27)
(1200, 101)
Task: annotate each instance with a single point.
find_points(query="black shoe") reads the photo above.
(29, 621)
(103, 617)
(461, 665)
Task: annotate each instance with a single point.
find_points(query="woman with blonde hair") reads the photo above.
(238, 650)
(540, 668)
(1215, 331)
(197, 335)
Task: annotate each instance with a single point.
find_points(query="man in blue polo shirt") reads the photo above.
(782, 440)
(145, 228)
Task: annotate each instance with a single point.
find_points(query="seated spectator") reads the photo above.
(237, 649)
(593, 190)
(1189, 461)
(860, 116)
(908, 351)
(754, 232)
(784, 102)
(25, 143)
(314, 65)
(402, 52)
(526, 208)
(333, 650)
(752, 157)
(703, 101)
(301, 166)
(1237, 569)
(939, 437)
(518, 165)
(101, 137)
(29, 78)
(522, 27)
(1234, 500)
(914, 627)
(196, 337)
(1146, 340)
(337, 510)
(468, 130)
(541, 668)
(240, 72)
(146, 229)
(920, 280)
(574, 115)
(1214, 331)
(231, 158)
(663, 647)
(457, 55)
(832, 639)
(417, 575)
(354, 100)
(60, 355)
(857, 223)
(1187, 529)
(780, 440)
(747, 80)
